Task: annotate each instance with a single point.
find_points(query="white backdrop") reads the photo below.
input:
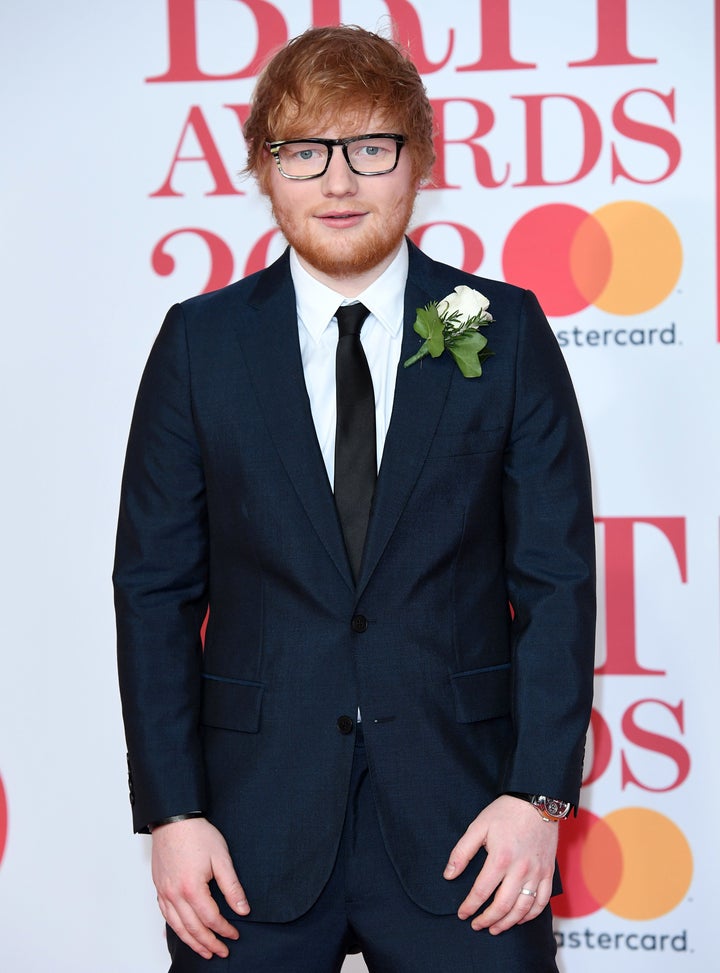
(532, 142)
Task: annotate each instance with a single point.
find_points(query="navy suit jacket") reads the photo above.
(467, 641)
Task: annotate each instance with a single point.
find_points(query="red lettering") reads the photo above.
(407, 29)
(648, 134)
(326, 13)
(602, 748)
(619, 534)
(272, 32)
(591, 139)
(221, 258)
(495, 35)
(209, 154)
(258, 258)
(242, 113)
(612, 34)
(472, 244)
(481, 159)
(655, 743)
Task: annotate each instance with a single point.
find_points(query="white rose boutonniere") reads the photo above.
(453, 324)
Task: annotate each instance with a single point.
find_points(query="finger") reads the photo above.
(173, 920)
(544, 893)
(465, 850)
(202, 929)
(200, 916)
(510, 906)
(229, 885)
(485, 884)
(205, 908)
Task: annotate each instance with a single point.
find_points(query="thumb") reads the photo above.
(229, 885)
(466, 848)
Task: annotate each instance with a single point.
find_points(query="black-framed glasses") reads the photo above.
(366, 155)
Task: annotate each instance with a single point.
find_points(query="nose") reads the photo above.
(339, 180)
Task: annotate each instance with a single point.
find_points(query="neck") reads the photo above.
(351, 284)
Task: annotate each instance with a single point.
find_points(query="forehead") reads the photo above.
(339, 126)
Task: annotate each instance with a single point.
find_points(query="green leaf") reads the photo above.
(425, 320)
(436, 338)
(465, 350)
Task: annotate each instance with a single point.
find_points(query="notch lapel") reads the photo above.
(272, 351)
(420, 394)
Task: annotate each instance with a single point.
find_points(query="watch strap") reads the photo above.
(175, 817)
(552, 809)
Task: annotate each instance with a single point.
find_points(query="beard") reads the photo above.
(350, 255)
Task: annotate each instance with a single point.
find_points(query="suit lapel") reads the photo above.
(272, 352)
(420, 394)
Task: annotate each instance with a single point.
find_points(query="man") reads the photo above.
(393, 671)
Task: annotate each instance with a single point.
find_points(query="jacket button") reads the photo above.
(359, 624)
(345, 724)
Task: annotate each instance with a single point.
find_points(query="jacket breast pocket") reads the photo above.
(231, 704)
(482, 694)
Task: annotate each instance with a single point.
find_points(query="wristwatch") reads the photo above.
(549, 808)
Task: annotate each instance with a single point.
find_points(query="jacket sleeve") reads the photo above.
(160, 581)
(550, 567)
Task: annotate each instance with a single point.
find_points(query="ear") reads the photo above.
(266, 164)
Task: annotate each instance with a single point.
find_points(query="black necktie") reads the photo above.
(355, 454)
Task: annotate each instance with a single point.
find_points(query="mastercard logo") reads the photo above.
(625, 258)
(634, 862)
(3, 820)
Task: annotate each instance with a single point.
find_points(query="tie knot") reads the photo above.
(350, 318)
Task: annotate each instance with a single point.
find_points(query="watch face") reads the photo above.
(553, 807)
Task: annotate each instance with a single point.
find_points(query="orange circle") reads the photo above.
(657, 864)
(601, 861)
(591, 258)
(646, 257)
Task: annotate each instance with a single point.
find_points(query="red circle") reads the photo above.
(3, 820)
(543, 252)
(577, 898)
(473, 250)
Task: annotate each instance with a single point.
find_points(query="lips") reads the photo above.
(342, 219)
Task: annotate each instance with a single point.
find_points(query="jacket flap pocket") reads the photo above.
(231, 704)
(482, 694)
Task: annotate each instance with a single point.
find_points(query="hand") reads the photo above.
(185, 856)
(521, 851)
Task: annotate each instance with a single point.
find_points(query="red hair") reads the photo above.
(332, 73)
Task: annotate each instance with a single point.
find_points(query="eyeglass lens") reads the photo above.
(370, 156)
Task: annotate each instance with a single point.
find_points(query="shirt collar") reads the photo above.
(384, 298)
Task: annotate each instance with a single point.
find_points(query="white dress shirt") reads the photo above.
(381, 338)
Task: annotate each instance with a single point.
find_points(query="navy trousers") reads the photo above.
(363, 908)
